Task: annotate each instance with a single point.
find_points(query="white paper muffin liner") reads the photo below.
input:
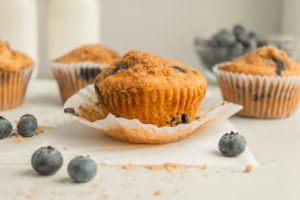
(72, 77)
(13, 86)
(211, 112)
(261, 96)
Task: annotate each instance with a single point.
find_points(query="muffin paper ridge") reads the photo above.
(68, 76)
(13, 86)
(261, 96)
(210, 112)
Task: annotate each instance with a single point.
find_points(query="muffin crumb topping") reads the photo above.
(93, 53)
(11, 60)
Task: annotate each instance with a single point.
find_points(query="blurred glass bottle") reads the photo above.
(71, 23)
(19, 26)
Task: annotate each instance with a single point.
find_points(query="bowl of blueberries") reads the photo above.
(226, 45)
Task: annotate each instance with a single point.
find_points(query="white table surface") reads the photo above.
(275, 144)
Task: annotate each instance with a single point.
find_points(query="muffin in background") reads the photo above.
(266, 82)
(79, 68)
(151, 89)
(15, 73)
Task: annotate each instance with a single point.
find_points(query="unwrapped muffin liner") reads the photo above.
(13, 86)
(72, 77)
(82, 106)
(261, 96)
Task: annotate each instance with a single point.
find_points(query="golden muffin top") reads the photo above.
(93, 53)
(265, 61)
(11, 60)
(137, 71)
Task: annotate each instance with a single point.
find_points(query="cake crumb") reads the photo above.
(218, 171)
(129, 166)
(65, 148)
(30, 196)
(58, 193)
(248, 169)
(274, 161)
(233, 171)
(105, 196)
(18, 139)
(205, 166)
(42, 129)
(205, 175)
(158, 192)
(176, 191)
(96, 185)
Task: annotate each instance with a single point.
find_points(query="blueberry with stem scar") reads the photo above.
(232, 144)
(119, 68)
(46, 160)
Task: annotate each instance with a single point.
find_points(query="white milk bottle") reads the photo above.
(70, 24)
(19, 26)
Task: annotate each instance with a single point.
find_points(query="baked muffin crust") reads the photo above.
(265, 61)
(93, 53)
(11, 60)
(147, 72)
(154, 90)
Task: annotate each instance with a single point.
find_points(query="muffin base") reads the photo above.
(13, 86)
(261, 96)
(159, 107)
(72, 77)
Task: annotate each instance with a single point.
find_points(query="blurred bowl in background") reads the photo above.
(226, 45)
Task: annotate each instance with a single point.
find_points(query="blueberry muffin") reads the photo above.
(151, 89)
(15, 72)
(79, 68)
(266, 82)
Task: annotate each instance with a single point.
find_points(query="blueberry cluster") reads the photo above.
(48, 160)
(26, 127)
(228, 44)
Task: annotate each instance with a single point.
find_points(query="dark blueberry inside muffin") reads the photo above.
(119, 68)
(180, 69)
(89, 74)
(280, 67)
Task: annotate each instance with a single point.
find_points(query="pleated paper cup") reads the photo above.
(261, 96)
(13, 86)
(72, 77)
(84, 107)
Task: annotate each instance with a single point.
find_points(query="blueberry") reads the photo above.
(226, 39)
(180, 69)
(5, 128)
(237, 50)
(238, 30)
(253, 35)
(119, 68)
(82, 169)
(251, 46)
(261, 43)
(89, 74)
(232, 144)
(46, 160)
(280, 67)
(27, 125)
